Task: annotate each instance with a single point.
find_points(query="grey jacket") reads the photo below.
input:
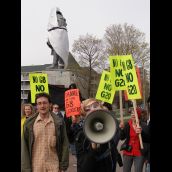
(27, 141)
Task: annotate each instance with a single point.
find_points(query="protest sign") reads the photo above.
(139, 82)
(133, 91)
(72, 102)
(38, 84)
(139, 79)
(117, 74)
(105, 90)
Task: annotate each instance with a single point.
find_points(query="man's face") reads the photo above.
(43, 105)
(55, 108)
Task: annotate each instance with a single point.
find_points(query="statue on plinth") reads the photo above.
(58, 39)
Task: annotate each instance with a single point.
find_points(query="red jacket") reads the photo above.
(134, 142)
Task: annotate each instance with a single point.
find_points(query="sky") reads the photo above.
(82, 17)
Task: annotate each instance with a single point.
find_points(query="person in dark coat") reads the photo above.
(56, 110)
(116, 155)
(71, 121)
(92, 157)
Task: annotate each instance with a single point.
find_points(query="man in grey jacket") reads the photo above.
(44, 144)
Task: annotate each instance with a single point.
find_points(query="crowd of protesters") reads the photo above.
(47, 137)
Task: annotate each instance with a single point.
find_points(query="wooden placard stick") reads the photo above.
(121, 107)
(137, 122)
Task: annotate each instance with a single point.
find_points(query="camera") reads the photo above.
(126, 147)
(119, 160)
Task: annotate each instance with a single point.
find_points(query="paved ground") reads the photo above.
(72, 160)
(72, 163)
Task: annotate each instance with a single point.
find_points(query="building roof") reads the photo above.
(34, 68)
(71, 64)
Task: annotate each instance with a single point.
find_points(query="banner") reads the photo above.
(72, 102)
(139, 79)
(125, 95)
(133, 91)
(117, 73)
(38, 84)
(106, 91)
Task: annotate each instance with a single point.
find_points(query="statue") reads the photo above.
(58, 39)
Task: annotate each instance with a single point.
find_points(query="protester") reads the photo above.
(56, 110)
(27, 111)
(117, 155)
(144, 116)
(73, 86)
(131, 147)
(147, 169)
(108, 106)
(92, 157)
(146, 152)
(44, 141)
(69, 122)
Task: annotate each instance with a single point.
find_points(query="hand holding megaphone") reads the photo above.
(94, 145)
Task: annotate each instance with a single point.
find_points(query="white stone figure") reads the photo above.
(58, 39)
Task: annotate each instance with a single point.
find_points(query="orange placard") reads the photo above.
(72, 102)
(139, 79)
(125, 95)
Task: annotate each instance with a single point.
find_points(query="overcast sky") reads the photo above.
(82, 16)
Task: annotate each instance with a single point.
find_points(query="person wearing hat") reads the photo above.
(132, 151)
(93, 157)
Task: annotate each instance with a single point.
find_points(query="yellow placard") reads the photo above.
(38, 84)
(117, 74)
(133, 91)
(106, 91)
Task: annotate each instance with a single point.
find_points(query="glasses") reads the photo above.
(92, 106)
(40, 103)
(55, 108)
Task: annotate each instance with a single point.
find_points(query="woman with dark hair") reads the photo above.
(132, 151)
(108, 105)
(69, 123)
(72, 86)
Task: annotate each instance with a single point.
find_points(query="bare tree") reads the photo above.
(126, 39)
(123, 39)
(89, 51)
(142, 58)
